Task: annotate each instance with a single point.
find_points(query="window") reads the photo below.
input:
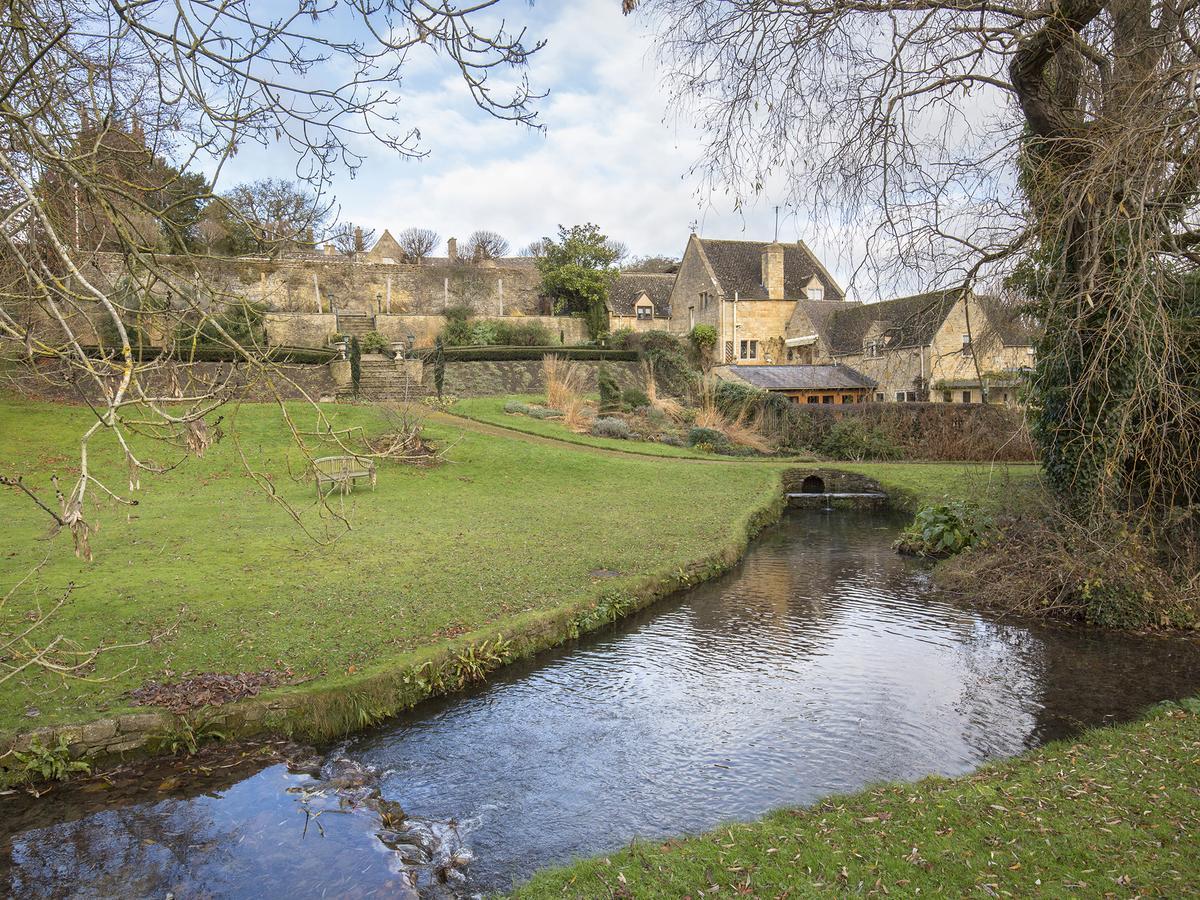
(815, 292)
(847, 398)
(789, 354)
(967, 351)
(879, 397)
(899, 396)
(645, 312)
(966, 396)
(691, 317)
(871, 349)
(749, 349)
(827, 398)
(912, 397)
(813, 398)
(947, 397)
(704, 298)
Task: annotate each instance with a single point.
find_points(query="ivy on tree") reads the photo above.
(577, 270)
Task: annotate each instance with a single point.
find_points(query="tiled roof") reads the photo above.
(802, 378)
(738, 267)
(1013, 328)
(627, 288)
(907, 321)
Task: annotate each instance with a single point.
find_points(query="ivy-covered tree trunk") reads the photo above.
(439, 366)
(355, 364)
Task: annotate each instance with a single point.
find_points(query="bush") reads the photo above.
(457, 332)
(670, 440)
(244, 323)
(709, 436)
(852, 440)
(703, 338)
(635, 398)
(944, 529)
(505, 354)
(610, 391)
(611, 428)
(373, 342)
(482, 333)
(541, 412)
(515, 406)
(522, 334)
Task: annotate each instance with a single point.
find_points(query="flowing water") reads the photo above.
(822, 663)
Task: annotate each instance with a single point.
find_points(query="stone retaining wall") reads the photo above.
(484, 379)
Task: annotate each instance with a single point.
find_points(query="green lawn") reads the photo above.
(504, 528)
(1114, 813)
(490, 410)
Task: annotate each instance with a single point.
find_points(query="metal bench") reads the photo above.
(340, 472)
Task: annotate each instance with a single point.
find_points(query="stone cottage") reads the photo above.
(747, 291)
(641, 302)
(941, 346)
(775, 304)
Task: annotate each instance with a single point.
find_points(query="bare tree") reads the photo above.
(202, 81)
(418, 243)
(275, 215)
(1052, 144)
(484, 244)
(348, 238)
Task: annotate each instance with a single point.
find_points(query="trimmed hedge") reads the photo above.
(512, 354)
(298, 355)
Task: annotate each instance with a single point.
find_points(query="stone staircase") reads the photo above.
(383, 380)
(353, 324)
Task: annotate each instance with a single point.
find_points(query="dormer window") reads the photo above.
(871, 349)
(815, 291)
(645, 312)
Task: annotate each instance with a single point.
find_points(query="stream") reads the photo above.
(822, 663)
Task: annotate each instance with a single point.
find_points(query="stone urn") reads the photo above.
(342, 348)
(397, 348)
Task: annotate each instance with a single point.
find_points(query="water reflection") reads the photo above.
(823, 663)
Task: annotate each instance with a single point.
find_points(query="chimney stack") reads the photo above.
(772, 270)
(359, 244)
(452, 250)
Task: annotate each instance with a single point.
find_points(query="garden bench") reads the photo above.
(341, 471)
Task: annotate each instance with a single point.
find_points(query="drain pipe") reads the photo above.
(736, 354)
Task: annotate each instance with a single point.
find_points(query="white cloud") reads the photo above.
(610, 154)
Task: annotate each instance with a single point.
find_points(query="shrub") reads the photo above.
(944, 529)
(701, 435)
(482, 333)
(522, 334)
(611, 428)
(704, 339)
(515, 406)
(610, 391)
(853, 440)
(670, 440)
(540, 412)
(457, 332)
(501, 354)
(355, 363)
(373, 342)
(635, 398)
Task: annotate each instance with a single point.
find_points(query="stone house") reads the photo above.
(641, 302)
(747, 291)
(941, 346)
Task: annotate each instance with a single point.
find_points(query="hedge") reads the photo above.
(298, 355)
(511, 354)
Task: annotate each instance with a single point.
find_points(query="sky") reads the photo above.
(612, 152)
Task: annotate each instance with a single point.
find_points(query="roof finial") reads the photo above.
(777, 224)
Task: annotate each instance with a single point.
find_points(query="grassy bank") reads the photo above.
(490, 410)
(503, 532)
(1114, 813)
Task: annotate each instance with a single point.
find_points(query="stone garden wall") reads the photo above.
(481, 379)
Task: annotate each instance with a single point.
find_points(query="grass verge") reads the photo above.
(1113, 813)
(502, 539)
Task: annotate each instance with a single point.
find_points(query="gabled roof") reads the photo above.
(907, 321)
(1011, 324)
(627, 288)
(738, 268)
(802, 378)
(387, 248)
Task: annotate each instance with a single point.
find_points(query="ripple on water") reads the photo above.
(824, 662)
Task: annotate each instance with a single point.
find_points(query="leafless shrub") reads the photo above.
(564, 389)
(484, 244)
(418, 243)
